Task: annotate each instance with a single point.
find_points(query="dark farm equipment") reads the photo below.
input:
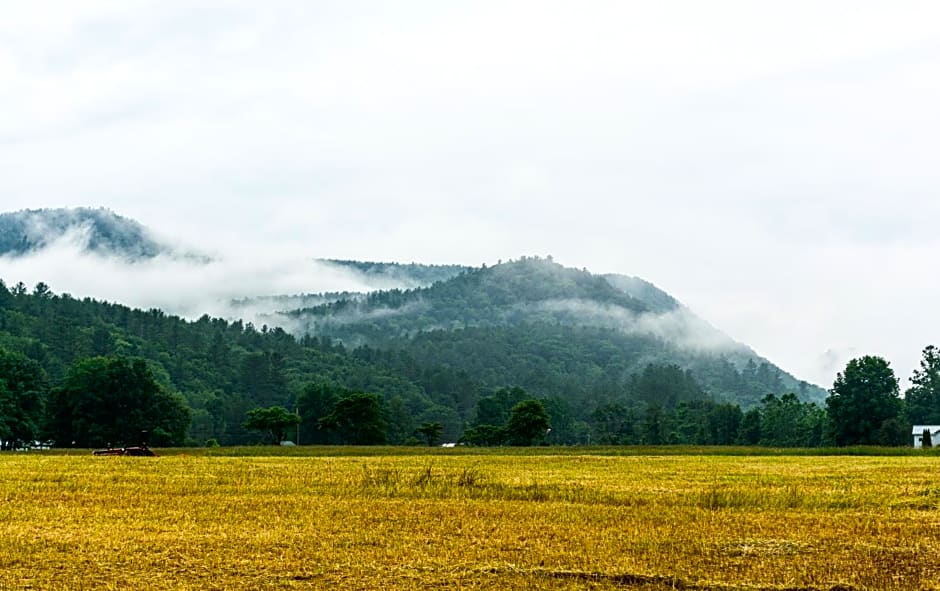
(137, 450)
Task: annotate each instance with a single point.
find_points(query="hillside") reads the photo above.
(221, 368)
(554, 330)
(598, 350)
(407, 275)
(98, 231)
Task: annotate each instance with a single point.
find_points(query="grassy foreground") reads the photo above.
(469, 521)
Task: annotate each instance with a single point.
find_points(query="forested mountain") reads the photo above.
(222, 369)
(596, 384)
(99, 231)
(404, 274)
(553, 330)
(612, 358)
(269, 309)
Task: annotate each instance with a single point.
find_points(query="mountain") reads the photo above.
(378, 276)
(552, 330)
(99, 231)
(608, 354)
(406, 276)
(221, 368)
(598, 385)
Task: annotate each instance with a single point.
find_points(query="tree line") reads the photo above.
(110, 400)
(59, 356)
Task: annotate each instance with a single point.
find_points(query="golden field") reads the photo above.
(465, 520)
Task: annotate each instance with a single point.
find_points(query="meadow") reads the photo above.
(379, 518)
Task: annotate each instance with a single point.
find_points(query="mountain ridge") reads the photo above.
(567, 307)
(95, 230)
(559, 304)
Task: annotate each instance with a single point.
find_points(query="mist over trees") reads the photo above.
(101, 230)
(97, 373)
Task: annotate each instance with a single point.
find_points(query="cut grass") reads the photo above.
(498, 519)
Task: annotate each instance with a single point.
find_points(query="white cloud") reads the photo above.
(757, 160)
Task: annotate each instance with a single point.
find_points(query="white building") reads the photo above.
(918, 433)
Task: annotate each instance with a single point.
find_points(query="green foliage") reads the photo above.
(528, 423)
(222, 368)
(787, 422)
(484, 435)
(315, 403)
(431, 432)
(749, 432)
(437, 355)
(273, 421)
(411, 273)
(558, 332)
(110, 400)
(724, 424)
(108, 232)
(614, 424)
(862, 398)
(496, 408)
(357, 420)
(922, 399)
(666, 385)
(262, 378)
(23, 388)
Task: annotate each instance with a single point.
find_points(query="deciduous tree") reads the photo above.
(862, 398)
(273, 421)
(528, 423)
(431, 432)
(110, 400)
(357, 420)
(23, 388)
(922, 399)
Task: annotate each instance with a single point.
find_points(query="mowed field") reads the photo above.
(455, 519)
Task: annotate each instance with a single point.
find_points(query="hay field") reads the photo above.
(505, 520)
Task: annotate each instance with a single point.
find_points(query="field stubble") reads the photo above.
(463, 521)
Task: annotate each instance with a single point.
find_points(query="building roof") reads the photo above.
(919, 429)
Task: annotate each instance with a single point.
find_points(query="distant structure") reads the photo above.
(918, 433)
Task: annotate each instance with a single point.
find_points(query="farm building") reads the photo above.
(918, 433)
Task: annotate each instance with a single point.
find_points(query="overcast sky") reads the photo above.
(773, 165)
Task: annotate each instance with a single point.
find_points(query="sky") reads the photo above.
(773, 165)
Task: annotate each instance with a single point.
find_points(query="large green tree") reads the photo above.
(315, 402)
(23, 388)
(862, 399)
(357, 420)
(787, 422)
(110, 400)
(922, 399)
(273, 421)
(528, 423)
(431, 432)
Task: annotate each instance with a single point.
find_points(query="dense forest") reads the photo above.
(522, 352)
(85, 372)
(219, 371)
(562, 332)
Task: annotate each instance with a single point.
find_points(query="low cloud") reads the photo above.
(183, 285)
(679, 327)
